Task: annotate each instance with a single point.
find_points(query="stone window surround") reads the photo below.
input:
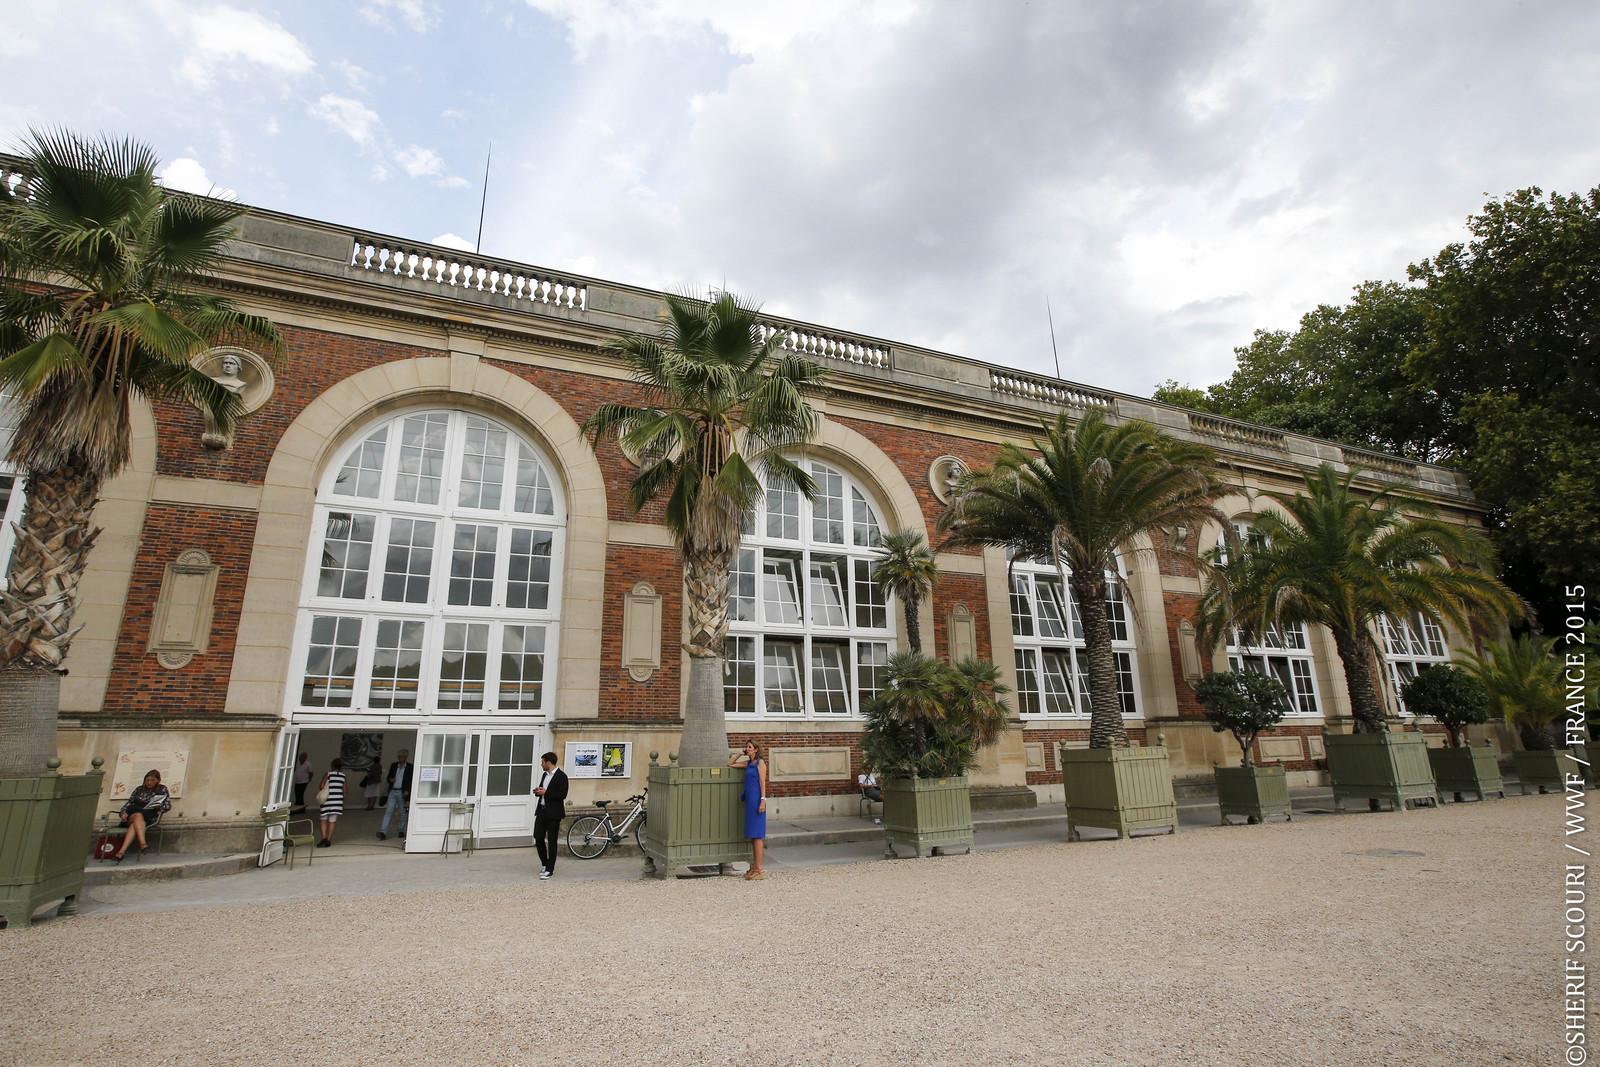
(262, 661)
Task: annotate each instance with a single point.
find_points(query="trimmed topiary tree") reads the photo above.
(1448, 695)
(1243, 704)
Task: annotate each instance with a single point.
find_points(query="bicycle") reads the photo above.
(590, 835)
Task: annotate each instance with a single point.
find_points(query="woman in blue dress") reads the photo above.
(755, 804)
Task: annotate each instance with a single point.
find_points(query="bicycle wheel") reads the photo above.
(638, 833)
(588, 837)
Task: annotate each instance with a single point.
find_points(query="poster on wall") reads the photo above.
(599, 759)
(359, 751)
(128, 775)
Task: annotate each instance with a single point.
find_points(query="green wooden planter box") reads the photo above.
(1473, 769)
(696, 818)
(44, 841)
(1544, 769)
(1386, 766)
(927, 815)
(1121, 789)
(1253, 793)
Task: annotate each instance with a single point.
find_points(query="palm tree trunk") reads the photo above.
(1105, 706)
(705, 726)
(913, 628)
(1358, 680)
(36, 611)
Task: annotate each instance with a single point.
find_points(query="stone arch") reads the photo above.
(261, 664)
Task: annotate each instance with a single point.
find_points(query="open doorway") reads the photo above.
(366, 758)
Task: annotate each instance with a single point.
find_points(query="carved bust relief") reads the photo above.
(241, 372)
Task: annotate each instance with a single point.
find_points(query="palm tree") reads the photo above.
(1523, 680)
(1343, 560)
(722, 403)
(906, 568)
(101, 302)
(1080, 499)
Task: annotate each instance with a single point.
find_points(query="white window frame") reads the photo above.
(1025, 581)
(1409, 645)
(1288, 646)
(862, 535)
(435, 612)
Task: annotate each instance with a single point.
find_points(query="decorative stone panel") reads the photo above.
(641, 631)
(1033, 752)
(1281, 749)
(1316, 748)
(1189, 651)
(181, 626)
(963, 634)
(801, 764)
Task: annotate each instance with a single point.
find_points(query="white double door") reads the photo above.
(494, 770)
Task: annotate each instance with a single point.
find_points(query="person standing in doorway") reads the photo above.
(399, 782)
(755, 805)
(302, 778)
(372, 783)
(548, 813)
(330, 801)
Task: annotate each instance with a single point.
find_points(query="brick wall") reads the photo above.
(138, 682)
(656, 698)
(953, 589)
(914, 450)
(1178, 607)
(831, 787)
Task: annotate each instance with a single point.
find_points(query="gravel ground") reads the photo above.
(1426, 938)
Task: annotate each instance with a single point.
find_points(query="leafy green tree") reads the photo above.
(1523, 680)
(723, 403)
(1080, 497)
(1344, 559)
(102, 302)
(1448, 695)
(930, 719)
(905, 567)
(1243, 703)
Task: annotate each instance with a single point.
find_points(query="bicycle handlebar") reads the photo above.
(634, 799)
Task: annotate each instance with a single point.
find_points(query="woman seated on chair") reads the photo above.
(143, 810)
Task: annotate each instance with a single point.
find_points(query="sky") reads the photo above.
(1169, 176)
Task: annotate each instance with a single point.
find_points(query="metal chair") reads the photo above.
(110, 825)
(867, 802)
(462, 833)
(286, 830)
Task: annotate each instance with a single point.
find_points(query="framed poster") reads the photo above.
(599, 759)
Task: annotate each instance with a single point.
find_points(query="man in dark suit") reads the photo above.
(548, 813)
(399, 796)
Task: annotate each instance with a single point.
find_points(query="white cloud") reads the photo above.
(271, 127)
(357, 77)
(419, 162)
(418, 16)
(188, 176)
(453, 114)
(224, 39)
(350, 117)
(450, 240)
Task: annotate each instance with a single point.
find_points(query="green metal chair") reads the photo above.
(292, 838)
(463, 832)
(110, 825)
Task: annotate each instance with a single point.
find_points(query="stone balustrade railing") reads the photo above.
(1048, 390)
(453, 269)
(815, 344)
(1379, 462)
(1239, 432)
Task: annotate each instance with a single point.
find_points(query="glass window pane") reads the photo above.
(408, 564)
(397, 664)
(483, 464)
(872, 663)
(533, 495)
(330, 676)
(872, 602)
(472, 565)
(783, 512)
(528, 577)
(463, 661)
(1027, 681)
(829, 606)
(346, 555)
(780, 676)
(1057, 681)
(780, 587)
(362, 472)
(420, 470)
(868, 533)
(1021, 607)
(830, 678)
(827, 506)
(522, 669)
(742, 587)
(739, 676)
(1052, 606)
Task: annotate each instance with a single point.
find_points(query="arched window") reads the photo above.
(809, 629)
(1284, 652)
(1047, 637)
(1409, 645)
(433, 580)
